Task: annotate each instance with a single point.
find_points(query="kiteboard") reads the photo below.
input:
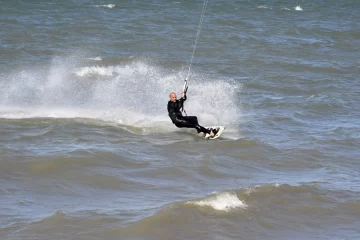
(219, 129)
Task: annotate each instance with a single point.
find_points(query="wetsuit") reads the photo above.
(183, 121)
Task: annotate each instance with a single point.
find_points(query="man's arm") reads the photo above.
(183, 97)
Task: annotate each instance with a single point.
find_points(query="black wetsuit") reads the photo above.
(183, 121)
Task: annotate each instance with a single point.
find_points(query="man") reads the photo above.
(181, 121)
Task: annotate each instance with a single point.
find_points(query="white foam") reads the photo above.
(124, 70)
(95, 59)
(264, 7)
(298, 8)
(95, 70)
(106, 6)
(252, 189)
(285, 8)
(221, 202)
(249, 191)
(256, 187)
(60, 213)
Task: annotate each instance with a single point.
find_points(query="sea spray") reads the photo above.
(133, 92)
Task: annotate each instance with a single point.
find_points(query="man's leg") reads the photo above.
(193, 119)
(190, 122)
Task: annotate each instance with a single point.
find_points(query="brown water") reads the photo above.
(87, 150)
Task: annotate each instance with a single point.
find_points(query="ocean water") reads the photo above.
(87, 150)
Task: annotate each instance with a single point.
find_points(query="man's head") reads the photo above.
(172, 97)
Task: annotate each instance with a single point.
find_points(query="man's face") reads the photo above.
(173, 97)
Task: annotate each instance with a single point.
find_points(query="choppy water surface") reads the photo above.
(87, 150)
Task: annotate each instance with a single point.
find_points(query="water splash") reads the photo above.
(133, 92)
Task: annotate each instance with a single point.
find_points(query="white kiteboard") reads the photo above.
(219, 132)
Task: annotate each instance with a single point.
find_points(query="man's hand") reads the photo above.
(182, 94)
